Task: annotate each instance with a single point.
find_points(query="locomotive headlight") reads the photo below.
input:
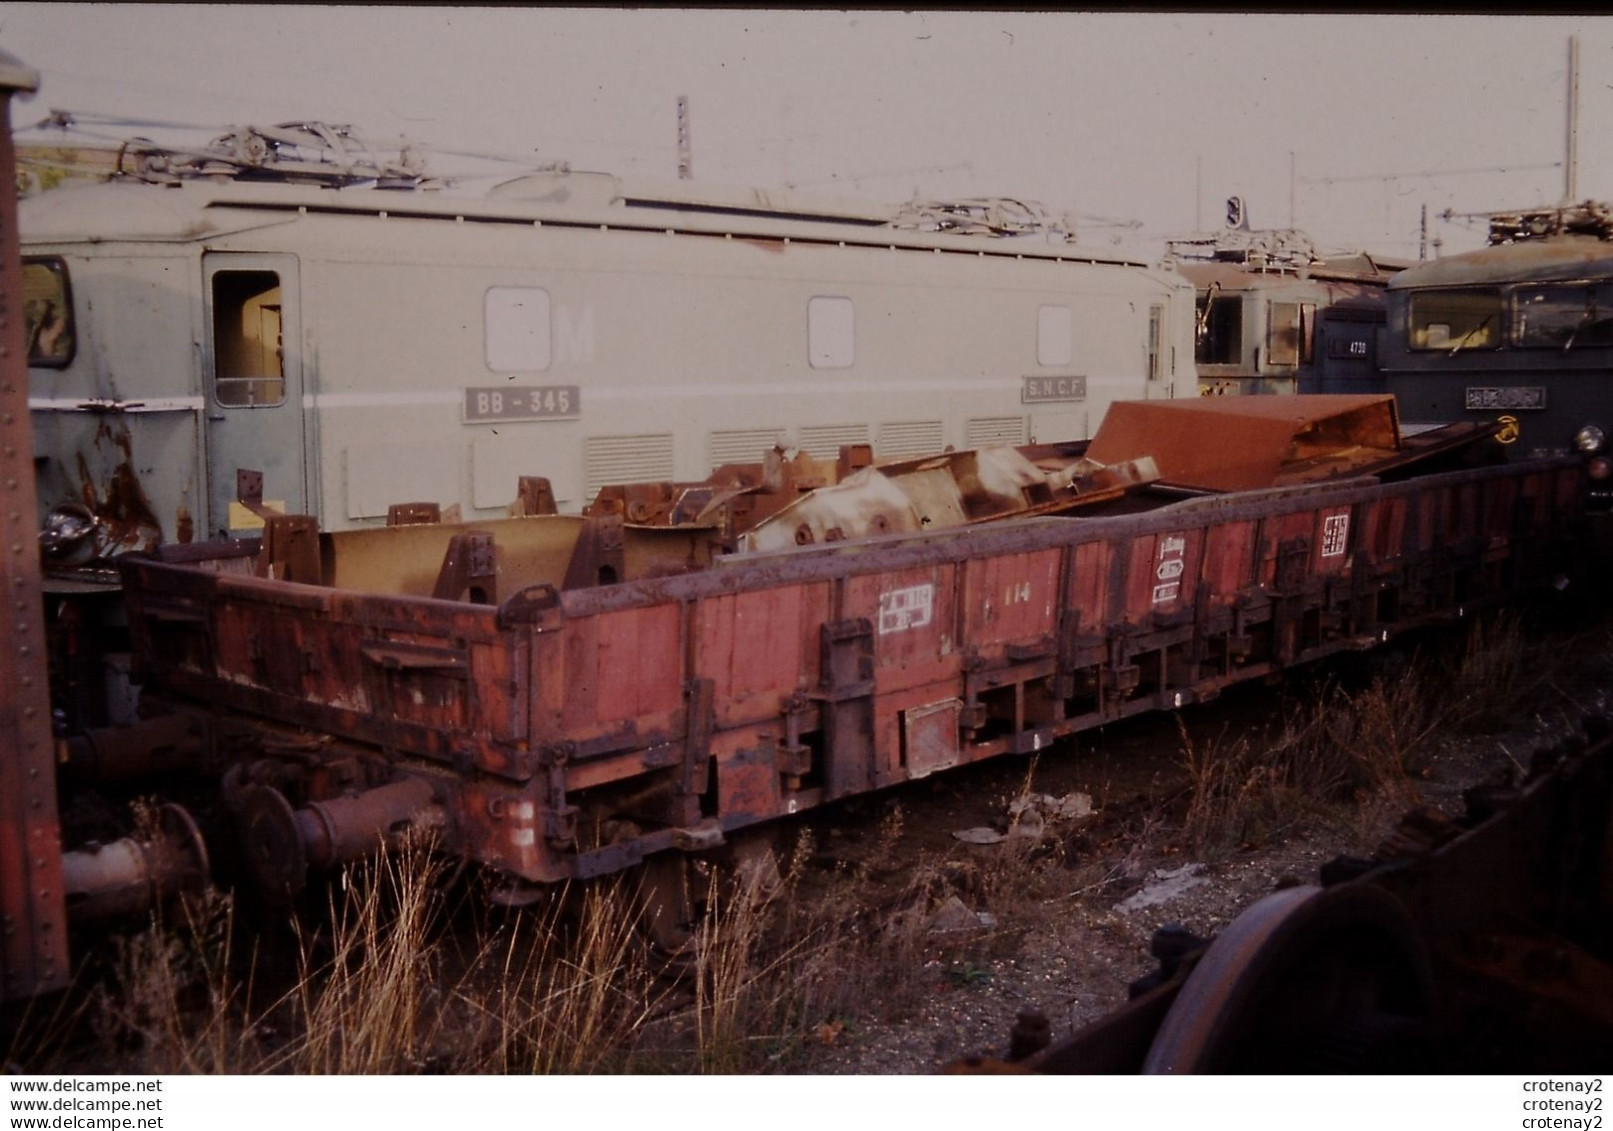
(1590, 439)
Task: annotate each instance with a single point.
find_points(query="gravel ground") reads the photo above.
(1069, 933)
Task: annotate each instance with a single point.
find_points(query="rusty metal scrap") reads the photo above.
(953, 489)
(734, 497)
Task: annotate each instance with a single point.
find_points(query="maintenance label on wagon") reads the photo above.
(1169, 567)
(1335, 534)
(522, 402)
(902, 609)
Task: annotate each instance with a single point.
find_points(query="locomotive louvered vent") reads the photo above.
(626, 459)
(910, 438)
(986, 430)
(743, 445)
(824, 441)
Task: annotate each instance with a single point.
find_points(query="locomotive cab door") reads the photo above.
(252, 373)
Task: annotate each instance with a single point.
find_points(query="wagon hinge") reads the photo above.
(558, 819)
(695, 774)
(972, 716)
(1069, 642)
(1121, 676)
(1288, 598)
(1339, 613)
(1364, 589)
(1293, 555)
(1198, 649)
(556, 753)
(848, 719)
(793, 758)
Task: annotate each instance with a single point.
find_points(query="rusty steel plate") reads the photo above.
(1257, 441)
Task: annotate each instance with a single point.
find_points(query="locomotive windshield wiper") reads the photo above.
(1590, 316)
(1461, 343)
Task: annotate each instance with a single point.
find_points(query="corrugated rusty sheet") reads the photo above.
(571, 733)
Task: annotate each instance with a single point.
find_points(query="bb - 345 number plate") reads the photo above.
(522, 402)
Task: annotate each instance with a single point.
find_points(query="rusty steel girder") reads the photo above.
(33, 926)
(687, 706)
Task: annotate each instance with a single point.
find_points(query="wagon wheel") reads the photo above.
(678, 895)
(1306, 980)
(272, 846)
(669, 913)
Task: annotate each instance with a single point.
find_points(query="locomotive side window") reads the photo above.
(1289, 333)
(1220, 329)
(47, 305)
(1562, 316)
(831, 332)
(517, 325)
(248, 357)
(1469, 318)
(1054, 341)
(1156, 343)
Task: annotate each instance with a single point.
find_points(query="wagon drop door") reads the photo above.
(252, 370)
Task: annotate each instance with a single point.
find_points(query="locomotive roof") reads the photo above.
(128, 210)
(1239, 276)
(1555, 258)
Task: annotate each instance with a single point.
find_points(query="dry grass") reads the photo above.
(1345, 749)
(386, 983)
(394, 977)
(381, 986)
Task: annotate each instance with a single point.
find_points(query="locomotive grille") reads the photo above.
(824, 441)
(986, 430)
(910, 438)
(742, 445)
(626, 459)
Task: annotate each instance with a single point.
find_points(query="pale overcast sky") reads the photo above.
(1348, 123)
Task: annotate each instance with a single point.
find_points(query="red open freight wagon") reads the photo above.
(558, 734)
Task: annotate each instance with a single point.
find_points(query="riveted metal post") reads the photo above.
(33, 919)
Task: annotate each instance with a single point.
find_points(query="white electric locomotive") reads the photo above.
(362, 337)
